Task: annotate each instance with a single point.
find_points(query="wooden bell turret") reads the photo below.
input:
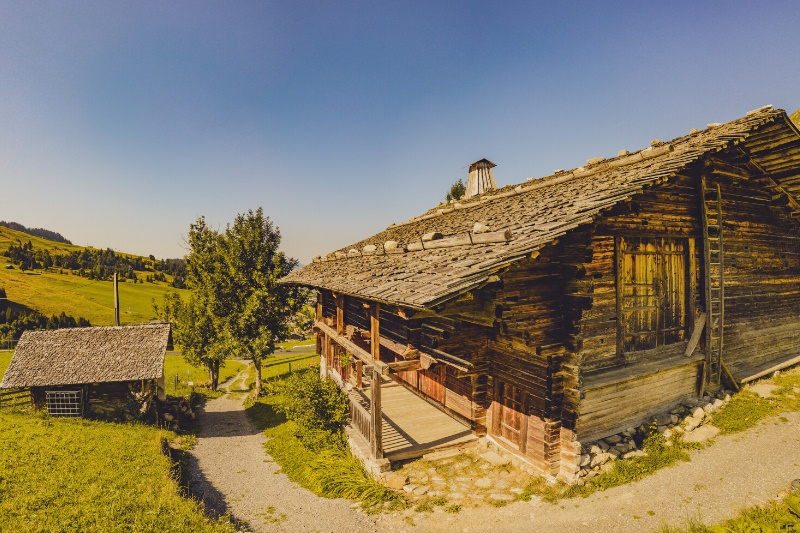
(481, 178)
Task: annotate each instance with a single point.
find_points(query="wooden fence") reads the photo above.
(14, 398)
(360, 418)
(8, 344)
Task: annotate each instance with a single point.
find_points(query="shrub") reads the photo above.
(318, 407)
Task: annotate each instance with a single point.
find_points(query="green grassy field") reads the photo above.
(77, 475)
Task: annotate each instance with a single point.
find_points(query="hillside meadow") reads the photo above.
(51, 292)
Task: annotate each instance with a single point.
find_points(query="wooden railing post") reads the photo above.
(376, 439)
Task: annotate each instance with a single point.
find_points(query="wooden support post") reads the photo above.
(376, 427)
(323, 357)
(359, 372)
(340, 315)
(374, 331)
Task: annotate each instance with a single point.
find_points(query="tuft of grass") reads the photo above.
(454, 508)
(80, 475)
(441, 501)
(425, 506)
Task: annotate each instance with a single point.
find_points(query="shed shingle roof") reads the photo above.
(537, 212)
(74, 356)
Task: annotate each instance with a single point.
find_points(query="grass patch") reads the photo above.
(324, 466)
(5, 359)
(454, 508)
(79, 475)
(746, 409)
(778, 516)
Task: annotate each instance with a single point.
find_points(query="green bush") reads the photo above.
(317, 407)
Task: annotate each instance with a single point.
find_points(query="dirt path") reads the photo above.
(231, 473)
(234, 474)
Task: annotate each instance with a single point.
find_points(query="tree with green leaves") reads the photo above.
(457, 191)
(198, 322)
(259, 311)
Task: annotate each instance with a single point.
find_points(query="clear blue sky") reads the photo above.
(120, 123)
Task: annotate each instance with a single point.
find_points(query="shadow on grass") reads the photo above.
(265, 415)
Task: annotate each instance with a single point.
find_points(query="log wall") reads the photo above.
(762, 275)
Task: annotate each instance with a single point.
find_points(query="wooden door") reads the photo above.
(509, 412)
(653, 277)
(430, 382)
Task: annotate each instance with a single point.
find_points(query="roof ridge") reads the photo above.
(593, 164)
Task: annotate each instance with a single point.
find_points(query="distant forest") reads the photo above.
(36, 232)
(98, 264)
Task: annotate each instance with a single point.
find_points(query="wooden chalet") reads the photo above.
(90, 371)
(568, 308)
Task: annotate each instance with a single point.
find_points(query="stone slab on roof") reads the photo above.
(74, 356)
(536, 212)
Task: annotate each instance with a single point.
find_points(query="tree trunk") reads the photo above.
(257, 365)
(213, 374)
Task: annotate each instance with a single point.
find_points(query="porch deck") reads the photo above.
(411, 426)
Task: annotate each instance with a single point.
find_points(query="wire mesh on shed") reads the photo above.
(65, 403)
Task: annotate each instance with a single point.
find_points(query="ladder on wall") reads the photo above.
(713, 249)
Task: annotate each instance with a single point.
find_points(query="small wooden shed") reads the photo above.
(90, 371)
(561, 310)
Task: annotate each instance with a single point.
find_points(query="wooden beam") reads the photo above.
(699, 326)
(357, 351)
(772, 369)
(619, 250)
(453, 360)
(359, 371)
(725, 372)
(404, 366)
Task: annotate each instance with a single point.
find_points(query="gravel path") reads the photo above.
(736, 472)
(232, 473)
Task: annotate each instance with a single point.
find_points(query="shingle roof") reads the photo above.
(536, 212)
(74, 356)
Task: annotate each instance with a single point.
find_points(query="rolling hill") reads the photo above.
(51, 292)
(795, 117)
